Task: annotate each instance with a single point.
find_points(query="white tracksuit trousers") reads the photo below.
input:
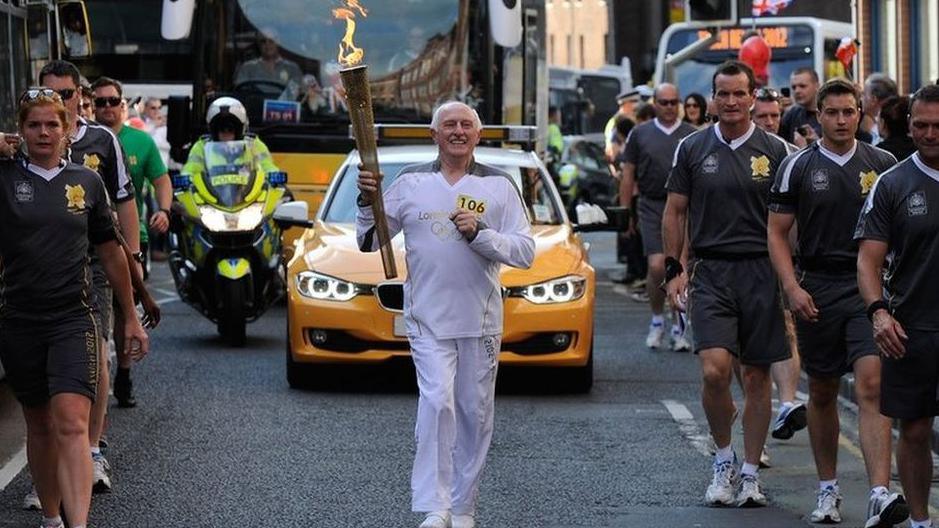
(457, 382)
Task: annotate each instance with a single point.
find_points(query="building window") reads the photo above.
(888, 31)
(551, 51)
(582, 58)
(929, 41)
(570, 50)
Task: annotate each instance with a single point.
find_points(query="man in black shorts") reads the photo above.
(98, 149)
(901, 219)
(647, 157)
(822, 188)
(720, 183)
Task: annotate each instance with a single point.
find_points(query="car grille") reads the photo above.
(391, 296)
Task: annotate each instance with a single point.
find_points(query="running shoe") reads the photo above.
(791, 418)
(721, 490)
(438, 519)
(680, 343)
(31, 500)
(101, 474)
(464, 521)
(750, 494)
(827, 507)
(656, 335)
(764, 459)
(886, 510)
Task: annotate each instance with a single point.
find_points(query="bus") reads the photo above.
(32, 33)
(419, 53)
(796, 42)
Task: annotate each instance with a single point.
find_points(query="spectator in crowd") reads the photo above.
(877, 89)
(627, 109)
(894, 127)
(695, 107)
(802, 117)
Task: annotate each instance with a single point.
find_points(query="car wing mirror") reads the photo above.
(293, 214)
(592, 217)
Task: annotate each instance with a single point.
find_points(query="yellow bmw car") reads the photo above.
(341, 310)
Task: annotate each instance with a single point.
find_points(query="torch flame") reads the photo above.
(349, 54)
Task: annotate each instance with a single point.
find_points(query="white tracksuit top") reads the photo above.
(453, 288)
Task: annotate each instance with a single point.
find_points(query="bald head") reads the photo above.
(666, 103)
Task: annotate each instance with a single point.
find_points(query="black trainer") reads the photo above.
(124, 389)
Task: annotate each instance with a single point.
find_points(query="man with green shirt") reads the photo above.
(146, 168)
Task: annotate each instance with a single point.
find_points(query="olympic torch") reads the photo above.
(359, 100)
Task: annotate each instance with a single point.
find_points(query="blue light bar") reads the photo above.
(277, 178)
(182, 181)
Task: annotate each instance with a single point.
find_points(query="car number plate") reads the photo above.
(400, 329)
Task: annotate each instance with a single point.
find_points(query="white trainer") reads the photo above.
(101, 474)
(750, 494)
(886, 510)
(827, 508)
(464, 521)
(721, 490)
(680, 343)
(656, 335)
(437, 519)
(31, 500)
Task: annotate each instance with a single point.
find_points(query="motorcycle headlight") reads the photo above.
(323, 287)
(564, 289)
(246, 219)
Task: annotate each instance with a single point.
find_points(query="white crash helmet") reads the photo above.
(227, 112)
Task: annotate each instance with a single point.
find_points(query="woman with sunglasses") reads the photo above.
(695, 107)
(50, 212)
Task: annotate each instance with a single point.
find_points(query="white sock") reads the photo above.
(879, 490)
(724, 454)
(658, 320)
(920, 524)
(750, 469)
(823, 484)
(52, 522)
(95, 451)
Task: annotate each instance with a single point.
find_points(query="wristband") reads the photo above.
(673, 268)
(873, 307)
(138, 256)
(167, 211)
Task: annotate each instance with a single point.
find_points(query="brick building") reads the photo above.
(899, 38)
(578, 33)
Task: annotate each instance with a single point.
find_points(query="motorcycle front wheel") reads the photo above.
(231, 322)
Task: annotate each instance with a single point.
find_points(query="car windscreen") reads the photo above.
(532, 181)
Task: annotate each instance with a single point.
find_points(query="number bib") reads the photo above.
(465, 201)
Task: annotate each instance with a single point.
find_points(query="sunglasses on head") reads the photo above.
(43, 93)
(767, 94)
(107, 101)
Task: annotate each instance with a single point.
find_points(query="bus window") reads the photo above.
(12, 44)
(75, 39)
(38, 32)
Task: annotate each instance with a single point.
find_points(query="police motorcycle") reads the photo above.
(225, 247)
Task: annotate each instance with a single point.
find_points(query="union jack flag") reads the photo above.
(762, 7)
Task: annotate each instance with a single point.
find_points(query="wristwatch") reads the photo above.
(138, 256)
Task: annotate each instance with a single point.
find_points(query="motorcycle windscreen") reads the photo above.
(231, 171)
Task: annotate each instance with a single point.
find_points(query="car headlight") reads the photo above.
(246, 219)
(564, 289)
(323, 287)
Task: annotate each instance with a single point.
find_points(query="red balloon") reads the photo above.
(756, 53)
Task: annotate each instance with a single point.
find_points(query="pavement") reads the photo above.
(220, 440)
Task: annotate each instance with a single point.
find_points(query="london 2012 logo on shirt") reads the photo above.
(759, 167)
(91, 161)
(916, 204)
(867, 180)
(23, 191)
(75, 194)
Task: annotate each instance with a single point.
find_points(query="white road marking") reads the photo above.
(166, 300)
(689, 427)
(164, 291)
(12, 468)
